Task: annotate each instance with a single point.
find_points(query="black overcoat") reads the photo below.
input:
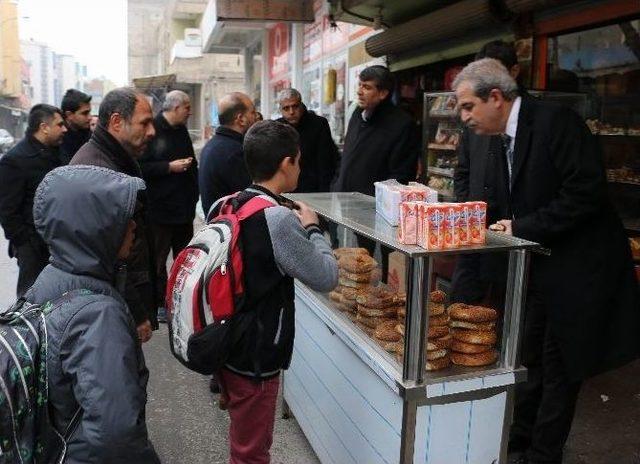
(385, 146)
(172, 196)
(558, 198)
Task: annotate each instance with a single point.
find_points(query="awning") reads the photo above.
(161, 81)
(452, 21)
(447, 49)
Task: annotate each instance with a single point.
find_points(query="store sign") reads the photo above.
(265, 10)
(278, 50)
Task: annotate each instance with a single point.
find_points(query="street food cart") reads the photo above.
(358, 403)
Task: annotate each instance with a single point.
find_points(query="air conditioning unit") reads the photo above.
(192, 37)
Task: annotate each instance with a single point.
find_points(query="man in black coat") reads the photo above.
(583, 303)
(222, 167)
(170, 171)
(481, 277)
(318, 152)
(76, 107)
(123, 133)
(21, 171)
(381, 143)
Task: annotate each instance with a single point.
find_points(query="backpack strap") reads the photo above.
(225, 206)
(253, 206)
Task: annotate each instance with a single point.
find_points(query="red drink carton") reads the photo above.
(463, 231)
(477, 222)
(433, 226)
(452, 222)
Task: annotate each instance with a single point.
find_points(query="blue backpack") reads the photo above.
(27, 434)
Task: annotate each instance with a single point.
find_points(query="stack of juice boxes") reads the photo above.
(391, 193)
(439, 226)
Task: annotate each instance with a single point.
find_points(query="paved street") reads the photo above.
(186, 425)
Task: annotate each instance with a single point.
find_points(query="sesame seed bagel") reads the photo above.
(473, 325)
(474, 360)
(475, 337)
(469, 348)
(376, 297)
(473, 314)
(357, 263)
(438, 364)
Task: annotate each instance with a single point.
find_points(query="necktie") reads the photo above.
(508, 150)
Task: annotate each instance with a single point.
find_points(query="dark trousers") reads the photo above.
(32, 258)
(168, 238)
(545, 403)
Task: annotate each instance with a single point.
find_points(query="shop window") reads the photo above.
(603, 63)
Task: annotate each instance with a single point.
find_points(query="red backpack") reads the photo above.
(205, 289)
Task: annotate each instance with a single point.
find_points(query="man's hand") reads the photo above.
(180, 165)
(144, 331)
(503, 225)
(306, 215)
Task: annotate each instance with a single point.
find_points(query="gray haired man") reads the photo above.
(170, 171)
(554, 192)
(319, 154)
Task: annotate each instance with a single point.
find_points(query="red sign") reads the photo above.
(278, 50)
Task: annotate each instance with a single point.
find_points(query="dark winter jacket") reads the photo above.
(71, 143)
(276, 250)
(385, 146)
(104, 150)
(319, 154)
(94, 360)
(172, 196)
(21, 171)
(222, 167)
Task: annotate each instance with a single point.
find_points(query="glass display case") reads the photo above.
(384, 374)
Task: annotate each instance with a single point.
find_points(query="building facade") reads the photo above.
(165, 53)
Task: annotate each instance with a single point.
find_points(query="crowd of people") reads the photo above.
(100, 204)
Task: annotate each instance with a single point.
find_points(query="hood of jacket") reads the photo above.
(82, 213)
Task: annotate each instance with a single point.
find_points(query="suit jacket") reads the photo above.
(559, 199)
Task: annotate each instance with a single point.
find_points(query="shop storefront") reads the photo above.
(322, 60)
(354, 401)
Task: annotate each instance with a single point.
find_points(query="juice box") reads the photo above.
(477, 222)
(433, 226)
(408, 230)
(451, 224)
(463, 231)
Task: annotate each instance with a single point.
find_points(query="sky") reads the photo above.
(93, 31)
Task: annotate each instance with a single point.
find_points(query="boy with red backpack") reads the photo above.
(279, 245)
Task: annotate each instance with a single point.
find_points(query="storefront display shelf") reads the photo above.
(440, 172)
(439, 146)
